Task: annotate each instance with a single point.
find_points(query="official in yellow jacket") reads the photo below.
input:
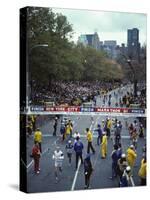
(131, 156)
(109, 125)
(104, 146)
(143, 171)
(38, 138)
(89, 139)
(68, 131)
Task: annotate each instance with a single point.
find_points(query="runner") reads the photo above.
(76, 134)
(69, 149)
(58, 157)
(36, 157)
(62, 131)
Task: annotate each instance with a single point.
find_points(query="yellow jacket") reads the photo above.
(38, 136)
(109, 124)
(68, 129)
(131, 156)
(142, 170)
(89, 136)
(104, 140)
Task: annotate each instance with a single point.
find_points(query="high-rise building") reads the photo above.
(133, 43)
(110, 43)
(110, 47)
(90, 39)
(82, 39)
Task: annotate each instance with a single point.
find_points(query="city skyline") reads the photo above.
(108, 25)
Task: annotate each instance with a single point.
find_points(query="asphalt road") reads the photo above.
(70, 179)
(120, 92)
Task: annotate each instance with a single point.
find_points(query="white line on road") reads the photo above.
(132, 181)
(31, 163)
(77, 171)
(75, 177)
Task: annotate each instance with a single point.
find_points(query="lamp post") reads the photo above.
(28, 89)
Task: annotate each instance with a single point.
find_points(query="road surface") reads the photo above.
(70, 179)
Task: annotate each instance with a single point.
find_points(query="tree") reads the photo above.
(63, 60)
(134, 69)
(44, 26)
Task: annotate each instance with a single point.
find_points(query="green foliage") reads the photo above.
(62, 59)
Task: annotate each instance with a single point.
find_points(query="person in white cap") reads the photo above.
(58, 157)
(125, 179)
(122, 164)
(76, 134)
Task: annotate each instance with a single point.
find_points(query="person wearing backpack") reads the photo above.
(117, 134)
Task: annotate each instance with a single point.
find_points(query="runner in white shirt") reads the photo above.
(76, 134)
(58, 157)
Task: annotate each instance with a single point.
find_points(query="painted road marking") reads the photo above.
(31, 163)
(75, 177)
(77, 171)
(132, 181)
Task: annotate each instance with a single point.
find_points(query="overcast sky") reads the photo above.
(108, 25)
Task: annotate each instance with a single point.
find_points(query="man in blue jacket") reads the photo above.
(99, 137)
(78, 147)
(114, 156)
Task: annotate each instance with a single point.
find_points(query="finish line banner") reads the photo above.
(86, 109)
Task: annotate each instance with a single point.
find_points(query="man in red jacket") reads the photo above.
(36, 157)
